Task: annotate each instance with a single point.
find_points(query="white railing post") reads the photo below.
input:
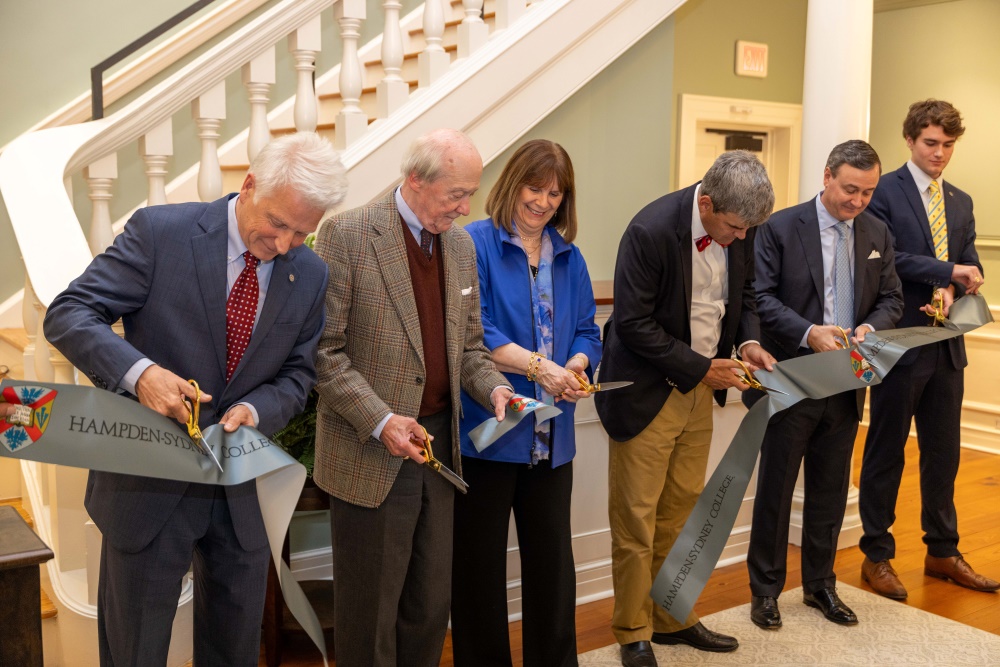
(100, 177)
(473, 31)
(30, 317)
(304, 44)
(352, 121)
(507, 12)
(68, 518)
(155, 148)
(433, 61)
(258, 77)
(43, 359)
(209, 111)
(391, 92)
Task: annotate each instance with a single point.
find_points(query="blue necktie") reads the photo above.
(843, 280)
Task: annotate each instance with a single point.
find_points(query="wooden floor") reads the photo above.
(977, 498)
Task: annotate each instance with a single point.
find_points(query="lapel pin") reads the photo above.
(291, 277)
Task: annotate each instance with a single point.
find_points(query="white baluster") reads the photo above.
(258, 77)
(43, 360)
(473, 31)
(30, 317)
(433, 61)
(67, 516)
(100, 177)
(155, 148)
(209, 111)
(351, 122)
(304, 44)
(508, 11)
(391, 92)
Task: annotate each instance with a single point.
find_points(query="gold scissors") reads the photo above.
(865, 364)
(749, 380)
(194, 411)
(600, 386)
(439, 467)
(937, 302)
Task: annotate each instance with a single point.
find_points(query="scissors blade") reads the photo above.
(451, 476)
(777, 391)
(608, 386)
(205, 449)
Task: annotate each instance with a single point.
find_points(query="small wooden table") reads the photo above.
(21, 552)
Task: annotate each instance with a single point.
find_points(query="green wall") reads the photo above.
(957, 45)
(620, 152)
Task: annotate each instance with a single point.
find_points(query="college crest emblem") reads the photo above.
(29, 421)
(520, 403)
(862, 369)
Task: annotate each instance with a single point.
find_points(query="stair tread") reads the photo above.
(19, 508)
(48, 609)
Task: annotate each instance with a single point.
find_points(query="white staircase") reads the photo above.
(441, 65)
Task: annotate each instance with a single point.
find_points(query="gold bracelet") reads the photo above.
(534, 361)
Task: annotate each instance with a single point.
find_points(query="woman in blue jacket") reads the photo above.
(538, 320)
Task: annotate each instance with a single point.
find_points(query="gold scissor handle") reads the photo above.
(847, 340)
(194, 413)
(428, 453)
(747, 378)
(937, 302)
(584, 385)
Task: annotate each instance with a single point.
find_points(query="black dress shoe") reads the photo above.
(699, 637)
(638, 654)
(764, 612)
(827, 601)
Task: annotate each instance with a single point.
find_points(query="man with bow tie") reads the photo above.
(825, 272)
(683, 297)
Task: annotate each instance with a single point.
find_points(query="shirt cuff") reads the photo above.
(739, 350)
(805, 337)
(131, 376)
(377, 433)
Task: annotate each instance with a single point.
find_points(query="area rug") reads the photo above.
(889, 633)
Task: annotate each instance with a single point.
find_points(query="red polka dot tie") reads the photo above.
(241, 309)
(425, 242)
(702, 242)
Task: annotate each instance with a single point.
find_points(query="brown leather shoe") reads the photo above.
(883, 579)
(956, 570)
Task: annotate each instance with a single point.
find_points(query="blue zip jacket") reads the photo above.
(505, 296)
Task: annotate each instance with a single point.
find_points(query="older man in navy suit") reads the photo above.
(223, 293)
(824, 270)
(934, 233)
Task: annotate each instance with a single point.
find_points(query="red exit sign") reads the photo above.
(751, 59)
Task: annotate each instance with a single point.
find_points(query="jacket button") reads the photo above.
(419, 380)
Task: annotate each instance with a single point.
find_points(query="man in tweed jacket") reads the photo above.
(403, 335)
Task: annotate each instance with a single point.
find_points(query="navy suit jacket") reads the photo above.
(648, 337)
(897, 202)
(789, 282)
(165, 277)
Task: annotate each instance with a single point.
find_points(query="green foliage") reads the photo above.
(298, 438)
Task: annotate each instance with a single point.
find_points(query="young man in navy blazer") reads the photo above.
(934, 234)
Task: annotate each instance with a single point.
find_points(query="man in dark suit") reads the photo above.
(191, 282)
(683, 297)
(934, 234)
(824, 269)
(403, 336)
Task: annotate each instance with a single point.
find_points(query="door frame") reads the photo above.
(783, 123)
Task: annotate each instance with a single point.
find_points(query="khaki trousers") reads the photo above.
(654, 480)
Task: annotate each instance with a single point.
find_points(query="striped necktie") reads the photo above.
(843, 279)
(939, 226)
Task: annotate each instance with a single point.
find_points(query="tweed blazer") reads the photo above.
(371, 359)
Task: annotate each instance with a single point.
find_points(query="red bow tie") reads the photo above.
(702, 242)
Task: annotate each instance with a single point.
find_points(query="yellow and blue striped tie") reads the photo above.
(939, 226)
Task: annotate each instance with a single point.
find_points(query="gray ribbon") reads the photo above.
(90, 428)
(695, 553)
(518, 407)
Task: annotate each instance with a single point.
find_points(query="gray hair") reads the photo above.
(737, 183)
(304, 162)
(425, 157)
(855, 153)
